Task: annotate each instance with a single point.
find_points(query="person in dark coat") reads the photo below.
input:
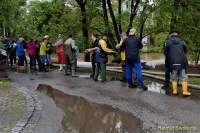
(12, 53)
(95, 42)
(132, 46)
(175, 51)
(37, 55)
(167, 71)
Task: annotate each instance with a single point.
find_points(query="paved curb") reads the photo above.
(33, 105)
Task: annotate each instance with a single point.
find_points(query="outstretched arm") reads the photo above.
(104, 47)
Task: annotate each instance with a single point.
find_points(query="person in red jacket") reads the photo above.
(60, 51)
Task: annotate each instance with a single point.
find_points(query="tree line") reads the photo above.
(152, 18)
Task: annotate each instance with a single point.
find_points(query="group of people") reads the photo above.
(40, 53)
(130, 45)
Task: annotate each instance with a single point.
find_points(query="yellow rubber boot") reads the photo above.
(185, 88)
(174, 88)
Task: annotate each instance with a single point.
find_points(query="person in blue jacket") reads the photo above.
(132, 46)
(20, 53)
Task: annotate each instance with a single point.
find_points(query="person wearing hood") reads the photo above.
(175, 51)
(132, 46)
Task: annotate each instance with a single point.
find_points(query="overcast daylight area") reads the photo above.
(99, 66)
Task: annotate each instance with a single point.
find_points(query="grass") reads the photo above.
(194, 81)
(5, 84)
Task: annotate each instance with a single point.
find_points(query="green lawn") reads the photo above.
(4, 84)
(195, 81)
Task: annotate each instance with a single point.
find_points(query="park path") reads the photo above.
(153, 109)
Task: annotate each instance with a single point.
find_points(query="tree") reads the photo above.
(134, 9)
(10, 13)
(115, 26)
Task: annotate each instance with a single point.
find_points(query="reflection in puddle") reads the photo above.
(82, 116)
(155, 87)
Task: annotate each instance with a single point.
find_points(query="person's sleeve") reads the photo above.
(104, 47)
(59, 42)
(123, 46)
(185, 47)
(73, 44)
(140, 43)
(164, 48)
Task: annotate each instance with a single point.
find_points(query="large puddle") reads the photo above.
(83, 116)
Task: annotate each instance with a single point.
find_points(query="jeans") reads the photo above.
(138, 70)
(42, 59)
(100, 68)
(48, 58)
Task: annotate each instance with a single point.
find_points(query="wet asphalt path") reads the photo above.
(155, 110)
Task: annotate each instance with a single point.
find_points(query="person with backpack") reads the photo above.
(175, 51)
(132, 46)
(70, 56)
(102, 52)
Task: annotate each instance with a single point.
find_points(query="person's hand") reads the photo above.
(118, 46)
(87, 51)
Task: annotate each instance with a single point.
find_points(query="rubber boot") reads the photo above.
(61, 67)
(174, 88)
(185, 88)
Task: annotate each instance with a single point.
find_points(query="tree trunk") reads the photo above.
(113, 20)
(173, 24)
(82, 4)
(105, 15)
(107, 26)
(134, 8)
(119, 14)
